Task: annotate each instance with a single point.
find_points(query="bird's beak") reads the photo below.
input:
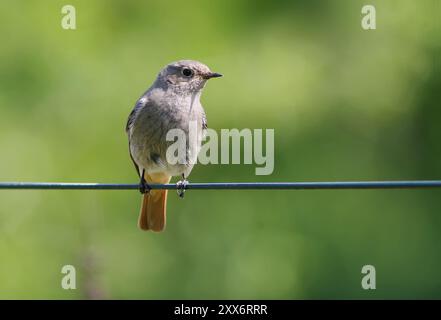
(212, 75)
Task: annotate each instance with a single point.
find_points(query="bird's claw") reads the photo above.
(181, 186)
(144, 186)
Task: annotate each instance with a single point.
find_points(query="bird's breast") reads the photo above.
(158, 126)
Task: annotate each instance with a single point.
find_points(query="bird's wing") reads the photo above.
(142, 102)
(132, 117)
(204, 121)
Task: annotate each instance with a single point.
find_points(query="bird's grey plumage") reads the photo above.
(170, 103)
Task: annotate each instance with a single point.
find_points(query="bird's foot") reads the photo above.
(181, 186)
(144, 187)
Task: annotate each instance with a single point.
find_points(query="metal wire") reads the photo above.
(415, 184)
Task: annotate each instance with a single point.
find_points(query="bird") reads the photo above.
(172, 102)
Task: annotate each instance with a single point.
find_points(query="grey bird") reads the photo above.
(172, 102)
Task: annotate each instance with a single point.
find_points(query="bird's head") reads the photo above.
(187, 76)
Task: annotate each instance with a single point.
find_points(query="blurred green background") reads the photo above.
(346, 104)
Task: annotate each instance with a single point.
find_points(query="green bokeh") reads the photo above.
(346, 104)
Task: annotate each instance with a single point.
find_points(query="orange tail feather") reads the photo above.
(153, 211)
(153, 207)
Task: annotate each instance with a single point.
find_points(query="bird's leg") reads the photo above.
(143, 185)
(181, 186)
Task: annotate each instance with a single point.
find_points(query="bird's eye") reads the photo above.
(187, 72)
